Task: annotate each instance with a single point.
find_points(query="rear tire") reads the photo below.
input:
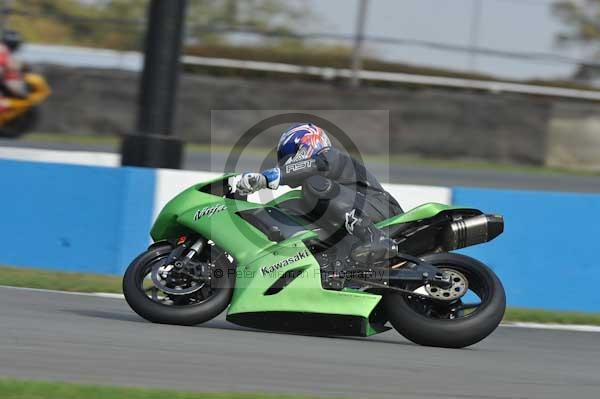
(450, 333)
(181, 315)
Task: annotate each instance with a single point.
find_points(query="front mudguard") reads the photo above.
(160, 243)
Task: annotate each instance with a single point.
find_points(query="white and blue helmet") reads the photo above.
(301, 142)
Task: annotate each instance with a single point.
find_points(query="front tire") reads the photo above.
(176, 313)
(447, 328)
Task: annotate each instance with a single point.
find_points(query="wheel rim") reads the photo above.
(476, 296)
(457, 290)
(162, 290)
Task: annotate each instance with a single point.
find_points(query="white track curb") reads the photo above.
(552, 326)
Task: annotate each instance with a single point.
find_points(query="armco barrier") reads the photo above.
(548, 255)
(73, 217)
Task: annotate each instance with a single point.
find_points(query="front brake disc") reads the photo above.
(165, 279)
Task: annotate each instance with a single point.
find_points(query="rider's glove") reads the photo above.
(252, 182)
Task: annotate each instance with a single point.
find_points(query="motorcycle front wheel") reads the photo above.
(185, 299)
(438, 320)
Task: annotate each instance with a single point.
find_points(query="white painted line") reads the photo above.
(94, 294)
(551, 326)
(108, 295)
(64, 157)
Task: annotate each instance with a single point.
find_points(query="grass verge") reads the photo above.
(27, 389)
(546, 316)
(103, 140)
(83, 282)
(61, 281)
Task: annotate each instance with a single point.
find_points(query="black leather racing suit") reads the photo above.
(342, 192)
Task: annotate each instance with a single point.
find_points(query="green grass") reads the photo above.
(545, 316)
(72, 138)
(27, 389)
(83, 282)
(61, 281)
(409, 160)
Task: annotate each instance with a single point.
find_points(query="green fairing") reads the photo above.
(165, 226)
(253, 251)
(303, 294)
(421, 212)
(294, 194)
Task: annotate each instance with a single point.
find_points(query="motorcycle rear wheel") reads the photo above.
(179, 310)
(431, 322)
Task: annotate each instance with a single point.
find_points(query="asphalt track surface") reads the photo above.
(395, 173)
(65, 337)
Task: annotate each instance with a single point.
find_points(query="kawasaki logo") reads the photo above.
(209, 211)
(283, 263)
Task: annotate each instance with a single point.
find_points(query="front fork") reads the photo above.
(179, 258)
(178, 275)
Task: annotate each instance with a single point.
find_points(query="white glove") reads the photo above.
(251, 182)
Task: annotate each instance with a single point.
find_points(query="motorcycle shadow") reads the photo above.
(98, 314)
(221, 324)
(216, 323)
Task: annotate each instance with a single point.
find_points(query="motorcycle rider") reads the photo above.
(342, 190)
(11, 76)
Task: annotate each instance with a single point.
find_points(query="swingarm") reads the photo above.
(406, 270)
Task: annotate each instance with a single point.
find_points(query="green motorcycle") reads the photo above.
(273, 268)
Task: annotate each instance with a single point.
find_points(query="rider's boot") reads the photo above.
(375, 245)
